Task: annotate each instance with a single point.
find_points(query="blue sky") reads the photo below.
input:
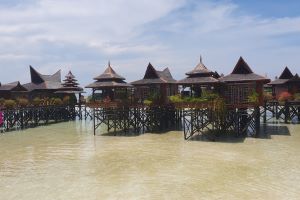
(83, 35)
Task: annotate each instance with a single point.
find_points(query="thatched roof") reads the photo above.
(109, 84)
(199, 80)
(110, 74)
(14, 86)
(153, 76)
(243, 73)
(285, 76)
(109, 79)
(200, 75)
(43, 82)
(200, 69)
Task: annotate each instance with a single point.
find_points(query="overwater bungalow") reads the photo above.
(243, 83)
(286, 82)
(199, 79)
(155, 85)
(111, 85)
(43, 85)
(70, 87)
(12, 90)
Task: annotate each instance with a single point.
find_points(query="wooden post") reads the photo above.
(80, 109)
(94, 113)
(286, 112)
(257, 120)
(265, 111)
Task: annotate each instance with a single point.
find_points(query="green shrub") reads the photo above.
(147, 102)
(57, 101)
(209, 95)
(9, 104)
(66, 100)
(297, 96)
(176, 99)
(22, 102)
(154, 96)
(2, 101)
(267, 96)
(36, 101)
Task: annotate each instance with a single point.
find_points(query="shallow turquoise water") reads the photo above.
(65, 161)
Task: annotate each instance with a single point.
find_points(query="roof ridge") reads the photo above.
(286, 74)
(242, 67)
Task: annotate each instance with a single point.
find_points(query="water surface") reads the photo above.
(65, 161)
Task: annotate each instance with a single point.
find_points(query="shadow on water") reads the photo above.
(266, 131)
(133, 133)
(210, 136)
(120, 134)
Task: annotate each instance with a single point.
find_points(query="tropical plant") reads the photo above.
(253, 97)
(267, 96)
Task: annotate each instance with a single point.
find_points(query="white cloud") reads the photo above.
(82, 35)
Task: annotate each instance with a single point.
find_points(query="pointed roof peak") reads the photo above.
(153, 76)
(109, 73)
(295, 78)
(200, 69)
(286, 74)
(36, 77)
(242, 67)
(70, 75)
(150, 65)
(13, 86)
(151, 72)
(166, 69)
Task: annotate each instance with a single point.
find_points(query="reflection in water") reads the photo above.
(65, 161)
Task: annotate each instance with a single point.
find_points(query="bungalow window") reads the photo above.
(239, 93)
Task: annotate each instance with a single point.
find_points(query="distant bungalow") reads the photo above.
(110, 84)
(43, 85)
(241, 83)
(198, 79)
(286, 82)
(12, 90)
(155, 82)
(70, 87)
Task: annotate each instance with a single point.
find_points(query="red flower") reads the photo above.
(285, 96)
